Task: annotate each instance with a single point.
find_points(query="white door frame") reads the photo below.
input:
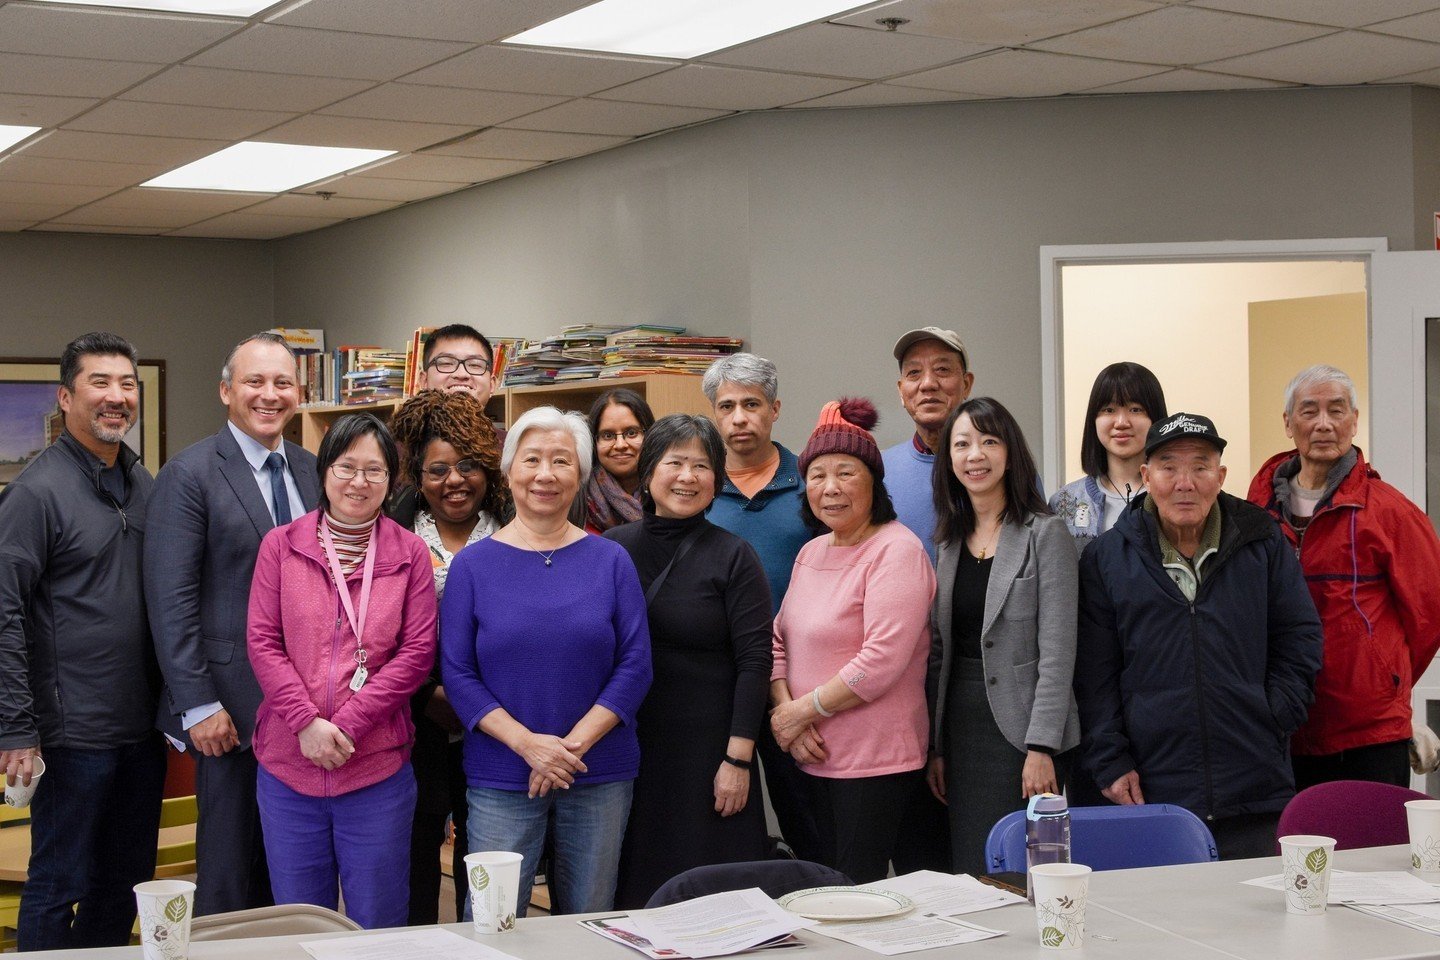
(1053, 258)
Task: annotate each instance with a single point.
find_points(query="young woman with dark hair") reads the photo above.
(618, 421)
(1002, 654)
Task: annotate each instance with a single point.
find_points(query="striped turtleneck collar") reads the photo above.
(351, 539)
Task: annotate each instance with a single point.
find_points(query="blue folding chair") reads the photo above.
(1112, 838)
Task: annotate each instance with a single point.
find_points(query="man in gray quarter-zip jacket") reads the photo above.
(78, 679)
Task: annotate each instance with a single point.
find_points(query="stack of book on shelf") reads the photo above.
(315, 366)
(372, 374)
(588, 351)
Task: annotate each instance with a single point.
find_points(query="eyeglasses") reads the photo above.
(345, 471)
(478, 366)
(439, 472)
(629, 433)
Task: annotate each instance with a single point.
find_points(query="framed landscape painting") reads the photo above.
(30, 413)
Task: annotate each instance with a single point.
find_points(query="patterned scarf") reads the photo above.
(606, 502)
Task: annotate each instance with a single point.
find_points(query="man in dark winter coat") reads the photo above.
(1198, 647)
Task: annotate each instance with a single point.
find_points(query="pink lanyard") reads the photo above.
(357, 620)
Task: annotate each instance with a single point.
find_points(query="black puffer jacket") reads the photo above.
(1200, 698)
(77, 668)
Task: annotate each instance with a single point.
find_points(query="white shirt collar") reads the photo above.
(253, 450)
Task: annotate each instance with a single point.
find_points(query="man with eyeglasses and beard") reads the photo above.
(77, 671)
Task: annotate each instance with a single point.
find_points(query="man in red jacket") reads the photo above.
(1370, 559)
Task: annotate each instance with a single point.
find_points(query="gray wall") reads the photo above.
(183, 301)
(821, 235)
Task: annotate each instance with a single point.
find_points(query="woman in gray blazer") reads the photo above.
(1003, 717)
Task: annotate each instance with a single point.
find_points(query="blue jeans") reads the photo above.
(589, 825)
(358, 841)
(94, 824)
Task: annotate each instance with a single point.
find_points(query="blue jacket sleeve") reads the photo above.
(459, 666)
(630, 680)
(1099, 662)
(1296, 640)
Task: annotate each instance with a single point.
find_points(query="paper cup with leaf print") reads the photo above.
(19, 795)
(1423, 817)
(1060, 893)
(1306, 859)
(166, 907)
(494, 889)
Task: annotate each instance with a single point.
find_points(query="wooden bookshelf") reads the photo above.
(665, 392)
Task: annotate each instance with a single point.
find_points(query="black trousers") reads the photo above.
(231, 870)
(1245, 836)
(439, 794)
(1380, 762)
(859, 822)
(789, 789)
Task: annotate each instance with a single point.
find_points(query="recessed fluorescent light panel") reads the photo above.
(211, 8)
(9, 135)
(265, 167)
(680, 29)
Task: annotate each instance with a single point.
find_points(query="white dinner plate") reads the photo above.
(846, 903)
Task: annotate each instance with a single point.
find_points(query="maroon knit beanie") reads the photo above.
(844, 427)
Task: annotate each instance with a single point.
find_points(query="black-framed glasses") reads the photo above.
(344, 471)
(477, 366)
(629, 433)
(440, 472)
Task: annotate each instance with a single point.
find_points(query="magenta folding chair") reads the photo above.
(1357, 813)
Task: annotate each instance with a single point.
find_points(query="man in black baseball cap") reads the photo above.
(1198, 646)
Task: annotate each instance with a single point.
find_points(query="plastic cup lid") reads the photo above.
(1045, 805)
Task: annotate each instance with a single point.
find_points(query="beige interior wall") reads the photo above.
(1189, 323)
(1288, 335)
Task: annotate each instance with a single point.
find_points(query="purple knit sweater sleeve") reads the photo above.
(546, 644)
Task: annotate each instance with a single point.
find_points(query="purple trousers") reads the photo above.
(358, 842)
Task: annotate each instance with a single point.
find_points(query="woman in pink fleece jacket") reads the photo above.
(333, 733)
(851, 643)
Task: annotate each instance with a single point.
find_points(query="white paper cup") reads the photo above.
(17, 795)
(166, 907)
(1423, 817)
(1060, 893)
(1307, 861)
(494, 889)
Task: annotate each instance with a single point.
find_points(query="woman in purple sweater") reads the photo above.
(546, 658)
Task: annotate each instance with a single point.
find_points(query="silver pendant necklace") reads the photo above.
(547, 557)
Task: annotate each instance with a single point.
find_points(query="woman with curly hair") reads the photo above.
(457, 496)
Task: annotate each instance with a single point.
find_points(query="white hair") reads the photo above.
(549, 418)
(745, 369)
(1320, 373)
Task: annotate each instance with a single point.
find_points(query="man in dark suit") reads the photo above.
(211, 506)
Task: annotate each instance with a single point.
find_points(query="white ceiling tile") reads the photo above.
(478, 21)
(1334, 13)
(241, 89)
(1424, 26)
(160, 209)
(68, 76)
(500, 143)
(1429, 78)
(1004, 22)
(1341, 58)
(885, 95)
(445, 169)
(14, 226)
(122, 148)
(846, 51)
(1181, 35)
(613, 118)
(1176, 81)
(1026, 73)
(32, 211)
(309, 205)
(374, 188)
(324, 53)
(253, 226)
(107, 34)
(34, 111)
(54, 227)
(526, 70)
(176, 120)
(68, 194)
(327, 131)
(724, 88)
(94, 173)
(408, 101)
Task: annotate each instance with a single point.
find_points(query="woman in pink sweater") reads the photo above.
(851, 642)
(341, 633)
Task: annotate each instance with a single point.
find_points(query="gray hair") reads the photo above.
(549, 418)
(1320, 373)
(742, 368)
(227, 372)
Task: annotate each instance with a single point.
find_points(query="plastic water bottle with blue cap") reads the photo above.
(1047, 834)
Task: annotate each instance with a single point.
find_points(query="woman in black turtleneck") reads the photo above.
(697, 799)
